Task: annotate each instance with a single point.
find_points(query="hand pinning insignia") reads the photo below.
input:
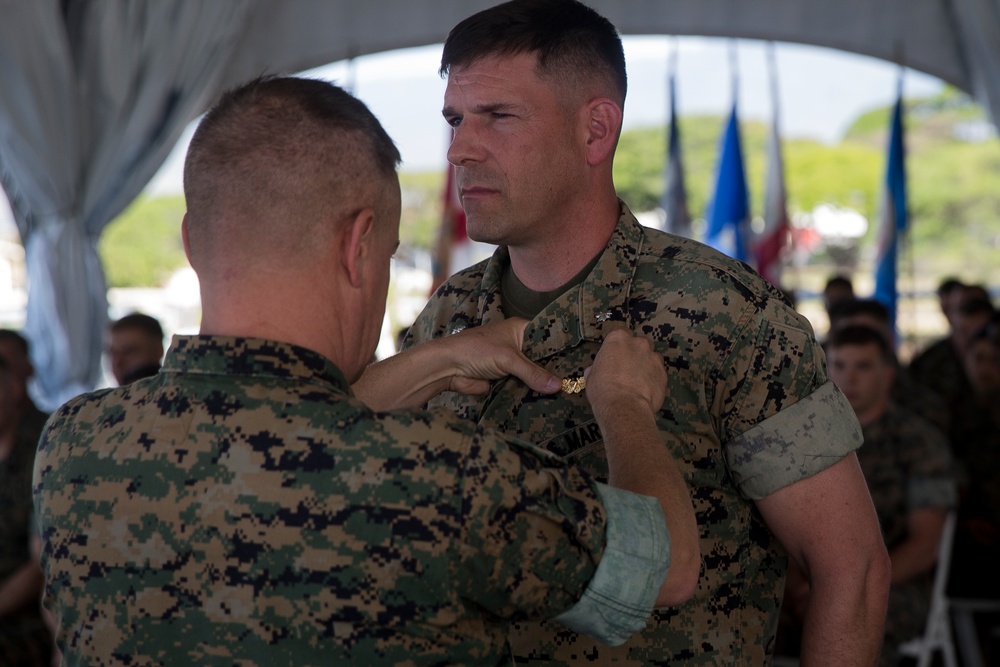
(574, 385)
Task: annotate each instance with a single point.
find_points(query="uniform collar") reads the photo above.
(585, 312)
(251, 357)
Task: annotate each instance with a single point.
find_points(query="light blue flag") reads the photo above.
(894, 215)
(729, 213)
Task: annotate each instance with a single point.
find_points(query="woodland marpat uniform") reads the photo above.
(908, 467)
(748, 411)
(242, 508)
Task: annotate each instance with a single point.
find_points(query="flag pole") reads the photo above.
(734, 69)
(894, 214)
(677, 218)
(769, 244)
(906, 255)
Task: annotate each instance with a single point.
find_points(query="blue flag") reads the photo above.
(674, 202)
(729, 214)
(894, 215)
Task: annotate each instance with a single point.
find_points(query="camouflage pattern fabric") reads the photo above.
(748, 411)
(918, 398)
(242, 508)
(939, 368)
(24, 638)
(907, 466)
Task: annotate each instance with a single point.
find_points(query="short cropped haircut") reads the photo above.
(858, 334)
(141, 322)
(854, 307)
(277, 155)
(570, 40)
(949, 285)
(19, 341)
(839, 281)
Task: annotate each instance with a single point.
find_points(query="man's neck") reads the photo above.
(545, 266)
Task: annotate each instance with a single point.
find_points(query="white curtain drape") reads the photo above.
(978, 21)
(93, 96)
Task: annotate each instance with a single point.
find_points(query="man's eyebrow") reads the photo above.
(491, 107)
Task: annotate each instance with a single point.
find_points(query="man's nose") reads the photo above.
(466, 144)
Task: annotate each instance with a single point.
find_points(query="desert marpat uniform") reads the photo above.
(907, 466)
(242, 508)
(748, 411)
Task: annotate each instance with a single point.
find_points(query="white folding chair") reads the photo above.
(937, 632)
(962, 611)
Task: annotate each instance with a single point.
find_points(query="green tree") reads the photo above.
(142, 247)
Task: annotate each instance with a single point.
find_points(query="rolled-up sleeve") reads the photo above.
(798, 442)
(621, 595)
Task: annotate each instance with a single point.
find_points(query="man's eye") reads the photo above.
(454, 121)
(498, 114)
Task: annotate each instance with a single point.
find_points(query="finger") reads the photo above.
(534, 376)
(616, 330)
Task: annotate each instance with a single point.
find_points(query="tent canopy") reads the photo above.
(955, 40)
(95, 93)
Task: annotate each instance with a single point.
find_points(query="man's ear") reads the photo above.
(604, 120)
(356, 244)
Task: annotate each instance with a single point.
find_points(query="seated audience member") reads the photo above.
(25, 639)
(135, 347)
(949, 293)
(906, 463)
(977, 538)
(906, 391)
(940, 365)
(837, 289)
(245, 506)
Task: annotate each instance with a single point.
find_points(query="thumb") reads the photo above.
(535, 376)
(524, 369)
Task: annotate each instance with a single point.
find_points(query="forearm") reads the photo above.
(408, 379)
(845, 618)
(22, 588)
(910, 559)
(638, 461)
(465, 362)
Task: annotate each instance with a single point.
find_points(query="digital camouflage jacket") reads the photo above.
(748, 411)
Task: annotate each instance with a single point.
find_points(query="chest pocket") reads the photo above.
(583, 446)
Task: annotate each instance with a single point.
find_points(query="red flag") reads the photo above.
(769, 245)
(451, 234)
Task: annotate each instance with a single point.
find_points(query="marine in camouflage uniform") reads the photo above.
(749, 410)
(25, 640)
(242, 507)
(908, 467)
